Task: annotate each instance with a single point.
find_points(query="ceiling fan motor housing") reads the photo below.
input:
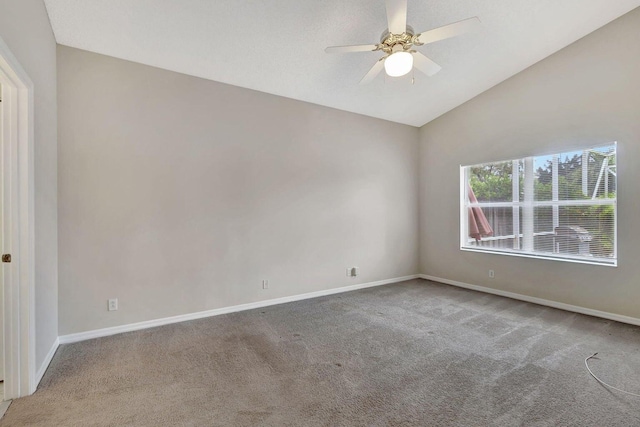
(390, 43)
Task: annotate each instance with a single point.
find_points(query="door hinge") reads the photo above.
(6, 257)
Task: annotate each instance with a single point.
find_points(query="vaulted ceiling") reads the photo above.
(277, 46)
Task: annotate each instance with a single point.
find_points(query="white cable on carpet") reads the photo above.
(602, 382)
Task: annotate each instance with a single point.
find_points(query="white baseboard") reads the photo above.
(45, 363)
(540, 301)
(97, 333)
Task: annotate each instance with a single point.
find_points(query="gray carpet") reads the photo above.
(410, 354)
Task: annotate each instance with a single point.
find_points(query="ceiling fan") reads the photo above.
(397, 41)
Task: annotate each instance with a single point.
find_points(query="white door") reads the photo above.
(1, 247)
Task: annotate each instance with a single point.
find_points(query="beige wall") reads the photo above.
(586, 94)
(179, 194)
(25, 28)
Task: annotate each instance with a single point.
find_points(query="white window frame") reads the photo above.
(523, 239)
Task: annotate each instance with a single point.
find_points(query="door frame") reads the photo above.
(17, 214)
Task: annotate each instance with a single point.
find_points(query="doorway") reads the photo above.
(17, 297)
(1, 282)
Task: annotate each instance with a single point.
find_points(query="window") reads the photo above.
(559, 206)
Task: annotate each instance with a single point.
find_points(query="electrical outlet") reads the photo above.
(492, 274)
(113, 304)
(352, 271)
(265, 284)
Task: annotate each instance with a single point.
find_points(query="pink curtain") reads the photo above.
(479, 226)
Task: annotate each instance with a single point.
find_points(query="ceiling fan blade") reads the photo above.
(397, 16)
(450, 30)
(349, 49)
(373, 72)
(425, 65)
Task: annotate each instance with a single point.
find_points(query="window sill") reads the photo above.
(566, 258)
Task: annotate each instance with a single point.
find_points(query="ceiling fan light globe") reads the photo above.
(398, 64)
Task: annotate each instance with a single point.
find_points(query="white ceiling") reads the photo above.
(277, 46)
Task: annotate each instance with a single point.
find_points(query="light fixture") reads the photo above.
(398, 63)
